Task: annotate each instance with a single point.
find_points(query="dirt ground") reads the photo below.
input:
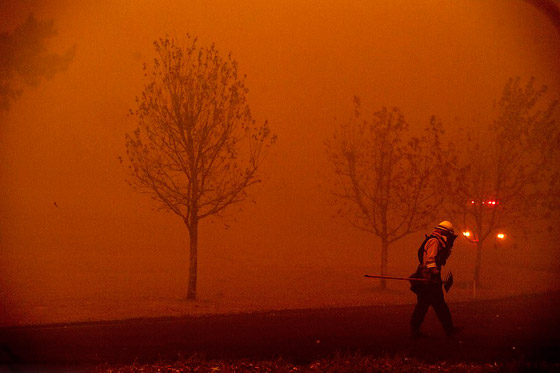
(509, 329)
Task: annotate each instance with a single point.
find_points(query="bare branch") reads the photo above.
(387, 178)
(197, 148)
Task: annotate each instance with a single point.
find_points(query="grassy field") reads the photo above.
(48, 290)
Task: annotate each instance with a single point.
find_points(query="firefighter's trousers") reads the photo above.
(431, 295)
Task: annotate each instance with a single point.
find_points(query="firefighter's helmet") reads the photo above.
(446, 227)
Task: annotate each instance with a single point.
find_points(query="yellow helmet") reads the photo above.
(446, 226)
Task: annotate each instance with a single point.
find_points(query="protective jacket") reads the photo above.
(433, 253)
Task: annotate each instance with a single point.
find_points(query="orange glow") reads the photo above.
(73, 232)
(501, 236)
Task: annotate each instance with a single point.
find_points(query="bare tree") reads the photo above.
(25, 60)
(502, 173)
(388, 180)
(196, 149)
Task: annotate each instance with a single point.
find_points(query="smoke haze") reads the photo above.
(72, 230)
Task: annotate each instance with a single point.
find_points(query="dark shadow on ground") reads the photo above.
(517, 328)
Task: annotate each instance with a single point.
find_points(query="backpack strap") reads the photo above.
(421, 249)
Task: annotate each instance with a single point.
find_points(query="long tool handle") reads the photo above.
(398, 278)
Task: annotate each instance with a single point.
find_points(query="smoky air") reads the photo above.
(177, 159)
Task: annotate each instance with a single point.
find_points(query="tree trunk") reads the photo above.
(477, 264)
(384, 254)
(193, 259)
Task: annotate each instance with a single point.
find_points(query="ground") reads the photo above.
(513, 329)
(130, 315)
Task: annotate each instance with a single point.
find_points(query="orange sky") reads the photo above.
(304, 61)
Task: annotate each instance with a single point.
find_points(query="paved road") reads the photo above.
(498, 330)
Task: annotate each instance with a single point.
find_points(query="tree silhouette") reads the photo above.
(196, 149)
(388, 181)
(25, 60)
(503, 174)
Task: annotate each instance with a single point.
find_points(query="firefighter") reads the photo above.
(432, 255)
